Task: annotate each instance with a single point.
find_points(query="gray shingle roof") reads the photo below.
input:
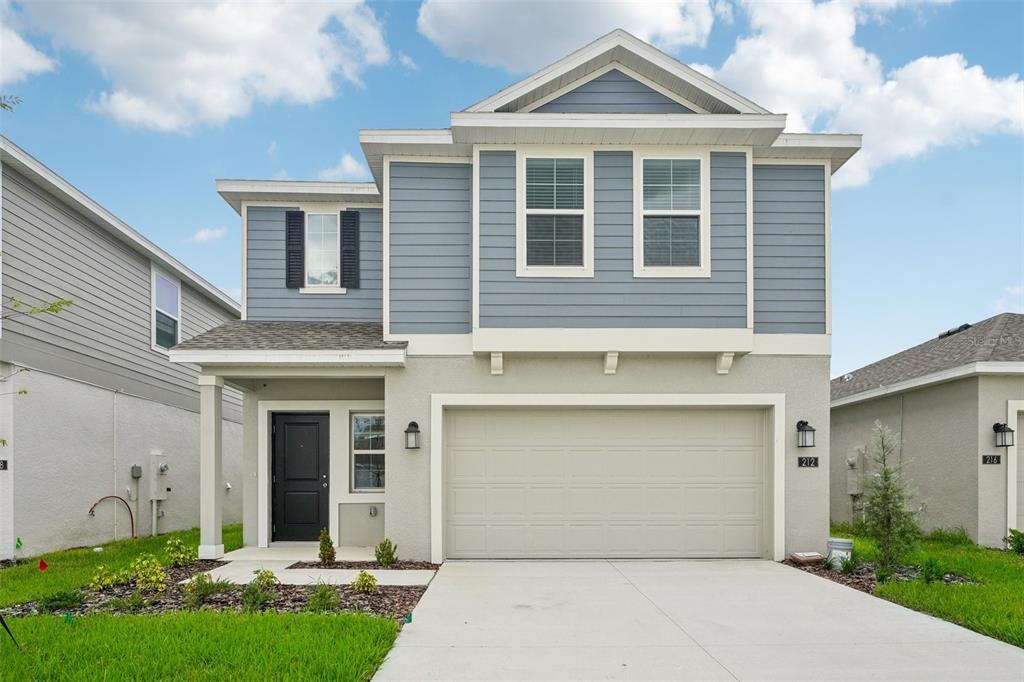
(252, 335)
(997, 339)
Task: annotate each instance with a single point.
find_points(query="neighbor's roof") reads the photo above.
(14, 156)
(250, 335)
(997, 339)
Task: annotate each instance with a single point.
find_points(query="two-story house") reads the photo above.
(584, 320)
(91, 409)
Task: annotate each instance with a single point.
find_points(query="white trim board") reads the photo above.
(775, 402)
(364, 358)
(1013, 461)
(339, 491)
(952, 374)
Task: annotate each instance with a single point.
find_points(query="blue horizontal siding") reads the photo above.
(613, 93)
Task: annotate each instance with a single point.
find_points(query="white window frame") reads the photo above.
(155, 270)
(585, 270)
(353, 452)
(703, 269)
(319, 288)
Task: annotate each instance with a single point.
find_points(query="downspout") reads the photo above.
(900, 440)
(113, 449)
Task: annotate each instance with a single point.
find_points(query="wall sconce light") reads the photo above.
(412, 436)
(804, 435)
(1004, 435)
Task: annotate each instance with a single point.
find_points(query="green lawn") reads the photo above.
(994, 607)
(73, 568)
(198, 645)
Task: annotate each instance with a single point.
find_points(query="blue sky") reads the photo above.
(928, 231)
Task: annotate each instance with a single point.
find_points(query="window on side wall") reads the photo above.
(323, 250)
(554, 231)
(166, 310)
(671, 229)
(367, 452)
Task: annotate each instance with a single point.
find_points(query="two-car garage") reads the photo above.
(597, 481)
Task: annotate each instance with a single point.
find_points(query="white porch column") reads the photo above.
(211, 467)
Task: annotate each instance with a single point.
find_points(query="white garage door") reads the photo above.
(549, 483)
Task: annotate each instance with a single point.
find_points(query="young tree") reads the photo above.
(888, 519)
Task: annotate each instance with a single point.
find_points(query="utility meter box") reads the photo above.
(854, 473)
(158, 468)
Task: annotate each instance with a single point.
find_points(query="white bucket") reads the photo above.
(839, 550)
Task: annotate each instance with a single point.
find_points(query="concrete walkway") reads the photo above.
(280, 555)
(679, 620)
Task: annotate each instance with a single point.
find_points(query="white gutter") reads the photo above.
(390, 357)
(968, 370)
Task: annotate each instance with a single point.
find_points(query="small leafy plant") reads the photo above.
(148, 574)
(327, 554)
(323, 598)
(931, 570)
(260, 592)
(365, 583)
(180, 554)
(103, 578)
(199, 590)
(386, 553)
(133, 603)
(63, 600)
(1015, 541)
(851, 563)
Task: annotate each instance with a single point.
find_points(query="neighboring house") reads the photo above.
(100, 395)
(944, 400)
(599, 299)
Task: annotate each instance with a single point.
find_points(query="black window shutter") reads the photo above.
(295, 249)
(350, 249)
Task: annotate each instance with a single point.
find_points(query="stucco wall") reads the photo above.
(938, 428)
(993, 394)
(802, 379)
(72, 443)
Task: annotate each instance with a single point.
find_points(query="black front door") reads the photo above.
(301, 460)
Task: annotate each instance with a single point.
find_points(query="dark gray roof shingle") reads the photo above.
(997, 339)
(253, 335)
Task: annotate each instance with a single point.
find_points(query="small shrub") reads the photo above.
(260, 592)
(851, 563)
(326, 547)
(202, 587)
(180, 554)
(148, 574)
(104, 578)
(950, 536)
(63, 600)
(1015, 541)
(386, 553)
(130, 604)
(323, 599)
(887, 519)
(364, 583)
(883, 574)
(931, 570)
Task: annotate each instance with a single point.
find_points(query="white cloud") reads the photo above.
(723, 10)
(173, 66)
(18, 59)
(802, 59)
(349, 169)
(408, 62)
(272, 149)
(521, 36)
(208, 234)
(281, 174)
(1012, 301)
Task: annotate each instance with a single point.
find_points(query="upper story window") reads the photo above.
(323, 250)
(165, 295)
(671, 235)
(554, 229)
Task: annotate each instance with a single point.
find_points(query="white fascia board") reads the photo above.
(952, 374)
(237, 192)
(606, 43)
(586, 120)
(363, 358)
(838, 149)
(24, 162)
(406, 136)
(533, 340)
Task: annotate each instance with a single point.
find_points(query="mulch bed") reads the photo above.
(863, 578)
(390, 601)
(8, 563)
(370, 565)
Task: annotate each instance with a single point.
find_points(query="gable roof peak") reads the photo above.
(619, 47)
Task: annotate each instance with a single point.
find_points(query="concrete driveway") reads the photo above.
(678, 620)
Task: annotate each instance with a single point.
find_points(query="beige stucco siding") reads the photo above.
(938, 427)
(407, 398)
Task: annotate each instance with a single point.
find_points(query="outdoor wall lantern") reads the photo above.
(1004, 435)
(412, 436)
(804, 435)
